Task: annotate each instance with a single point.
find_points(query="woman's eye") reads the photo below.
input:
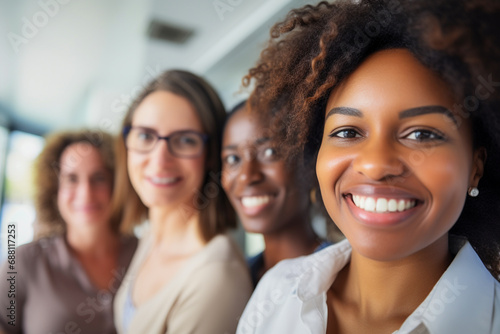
(424, 135)
(145, 136)
(99, 179)
(187, 141)
(71, 179)
(269, 152)
(346, 133)
(231, 160)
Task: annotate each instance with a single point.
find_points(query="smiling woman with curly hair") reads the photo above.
(78, 260)
(396, 105)
(47, 176)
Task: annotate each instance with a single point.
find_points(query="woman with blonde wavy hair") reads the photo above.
(66, 279)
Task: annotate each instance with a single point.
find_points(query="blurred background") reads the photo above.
(68, 64)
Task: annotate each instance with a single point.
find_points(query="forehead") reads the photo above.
(166, 112)
(244, 128)
(81, 157)
(392, 78)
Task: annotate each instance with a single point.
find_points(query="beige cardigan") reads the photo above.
(207, 296)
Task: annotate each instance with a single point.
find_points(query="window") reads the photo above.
(19, 150)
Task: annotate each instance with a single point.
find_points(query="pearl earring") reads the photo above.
(473, 192)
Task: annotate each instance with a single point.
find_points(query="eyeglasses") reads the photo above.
(182, 144)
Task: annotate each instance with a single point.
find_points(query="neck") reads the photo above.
(92, 241)
(296, 239)
(381, 290)
(176, 230)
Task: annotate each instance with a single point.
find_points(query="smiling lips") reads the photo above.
(382, 210)
(163, 181)
(382, 205)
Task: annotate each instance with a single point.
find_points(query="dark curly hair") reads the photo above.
(216, 214)
(46, 176)
(316, 47)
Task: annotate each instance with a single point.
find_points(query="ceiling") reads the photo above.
(68, 64)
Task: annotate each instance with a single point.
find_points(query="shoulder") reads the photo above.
(217, 280)
(220, 265)
(50, 249)
(221, 257)
(466, 293)
(222, 249)
(36, 259)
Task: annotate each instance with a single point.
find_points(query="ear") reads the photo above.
(478, 162)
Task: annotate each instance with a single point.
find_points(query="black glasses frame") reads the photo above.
(126, 130)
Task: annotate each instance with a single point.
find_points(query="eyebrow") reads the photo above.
(428, 110)
(403, 114)
(258, 142)
(229, 147)
(344, 111)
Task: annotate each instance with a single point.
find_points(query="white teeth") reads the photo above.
(381, 205)
(392, 205)
(401, 205)
(362, 201)
(370, 204)
(254, 201)
(163, 180)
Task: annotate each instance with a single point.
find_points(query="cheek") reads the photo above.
(446, 176)
(63, 198)
(296, 188)
(329, 168)
(197, 168)
(105, 193)
(226, 179)
(277, 175)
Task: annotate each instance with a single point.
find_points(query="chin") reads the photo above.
(382, 251)
(254, 226)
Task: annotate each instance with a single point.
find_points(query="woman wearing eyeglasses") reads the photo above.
(187, 276)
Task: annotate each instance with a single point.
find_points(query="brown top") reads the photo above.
(53, 293)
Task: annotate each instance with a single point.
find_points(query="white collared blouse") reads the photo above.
(291, 297)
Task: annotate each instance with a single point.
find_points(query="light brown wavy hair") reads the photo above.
(46, 177)
(216, 213)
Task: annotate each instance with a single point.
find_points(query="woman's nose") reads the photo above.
(161, 152)
(250, 171)
(84, 189)
(379, 159)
